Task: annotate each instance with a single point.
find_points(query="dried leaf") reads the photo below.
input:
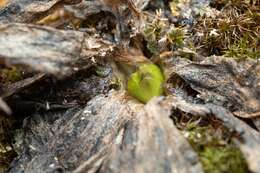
(20, 85)
(151, 143)
(49, 50)
(24, 11)
(223, 81)
(75, 137)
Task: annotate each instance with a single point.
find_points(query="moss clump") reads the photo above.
(213, 143)
(235, 22)
(176, 37)
(10, 75)
(152, 33)
(162, 36)
(242, 50)
(222, 160)
(216, 150)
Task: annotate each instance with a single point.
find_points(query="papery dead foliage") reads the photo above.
(94, 137)
(223, 81)
(49, 50)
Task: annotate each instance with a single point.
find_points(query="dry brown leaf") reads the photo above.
(49, 50)
(222, 81)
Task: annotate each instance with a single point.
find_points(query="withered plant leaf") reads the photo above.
(223, 81)
(48, 50)
(24, 11)
(76, 136)
(103, 135)
(151, 143)
(87, 8)
(13, 88)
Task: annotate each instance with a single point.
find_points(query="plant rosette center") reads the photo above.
(146, 82)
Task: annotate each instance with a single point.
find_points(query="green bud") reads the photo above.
(146, 82)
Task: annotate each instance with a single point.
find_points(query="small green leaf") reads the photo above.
(146, 82)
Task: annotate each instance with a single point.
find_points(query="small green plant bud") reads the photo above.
(146, 82)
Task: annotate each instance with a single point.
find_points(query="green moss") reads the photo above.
(216, 151)
(225, 33)
(226, 159)
(242, 50)
(152, 33)
(176, 37)
(214, 145)
(10, 75)
(172, 37)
